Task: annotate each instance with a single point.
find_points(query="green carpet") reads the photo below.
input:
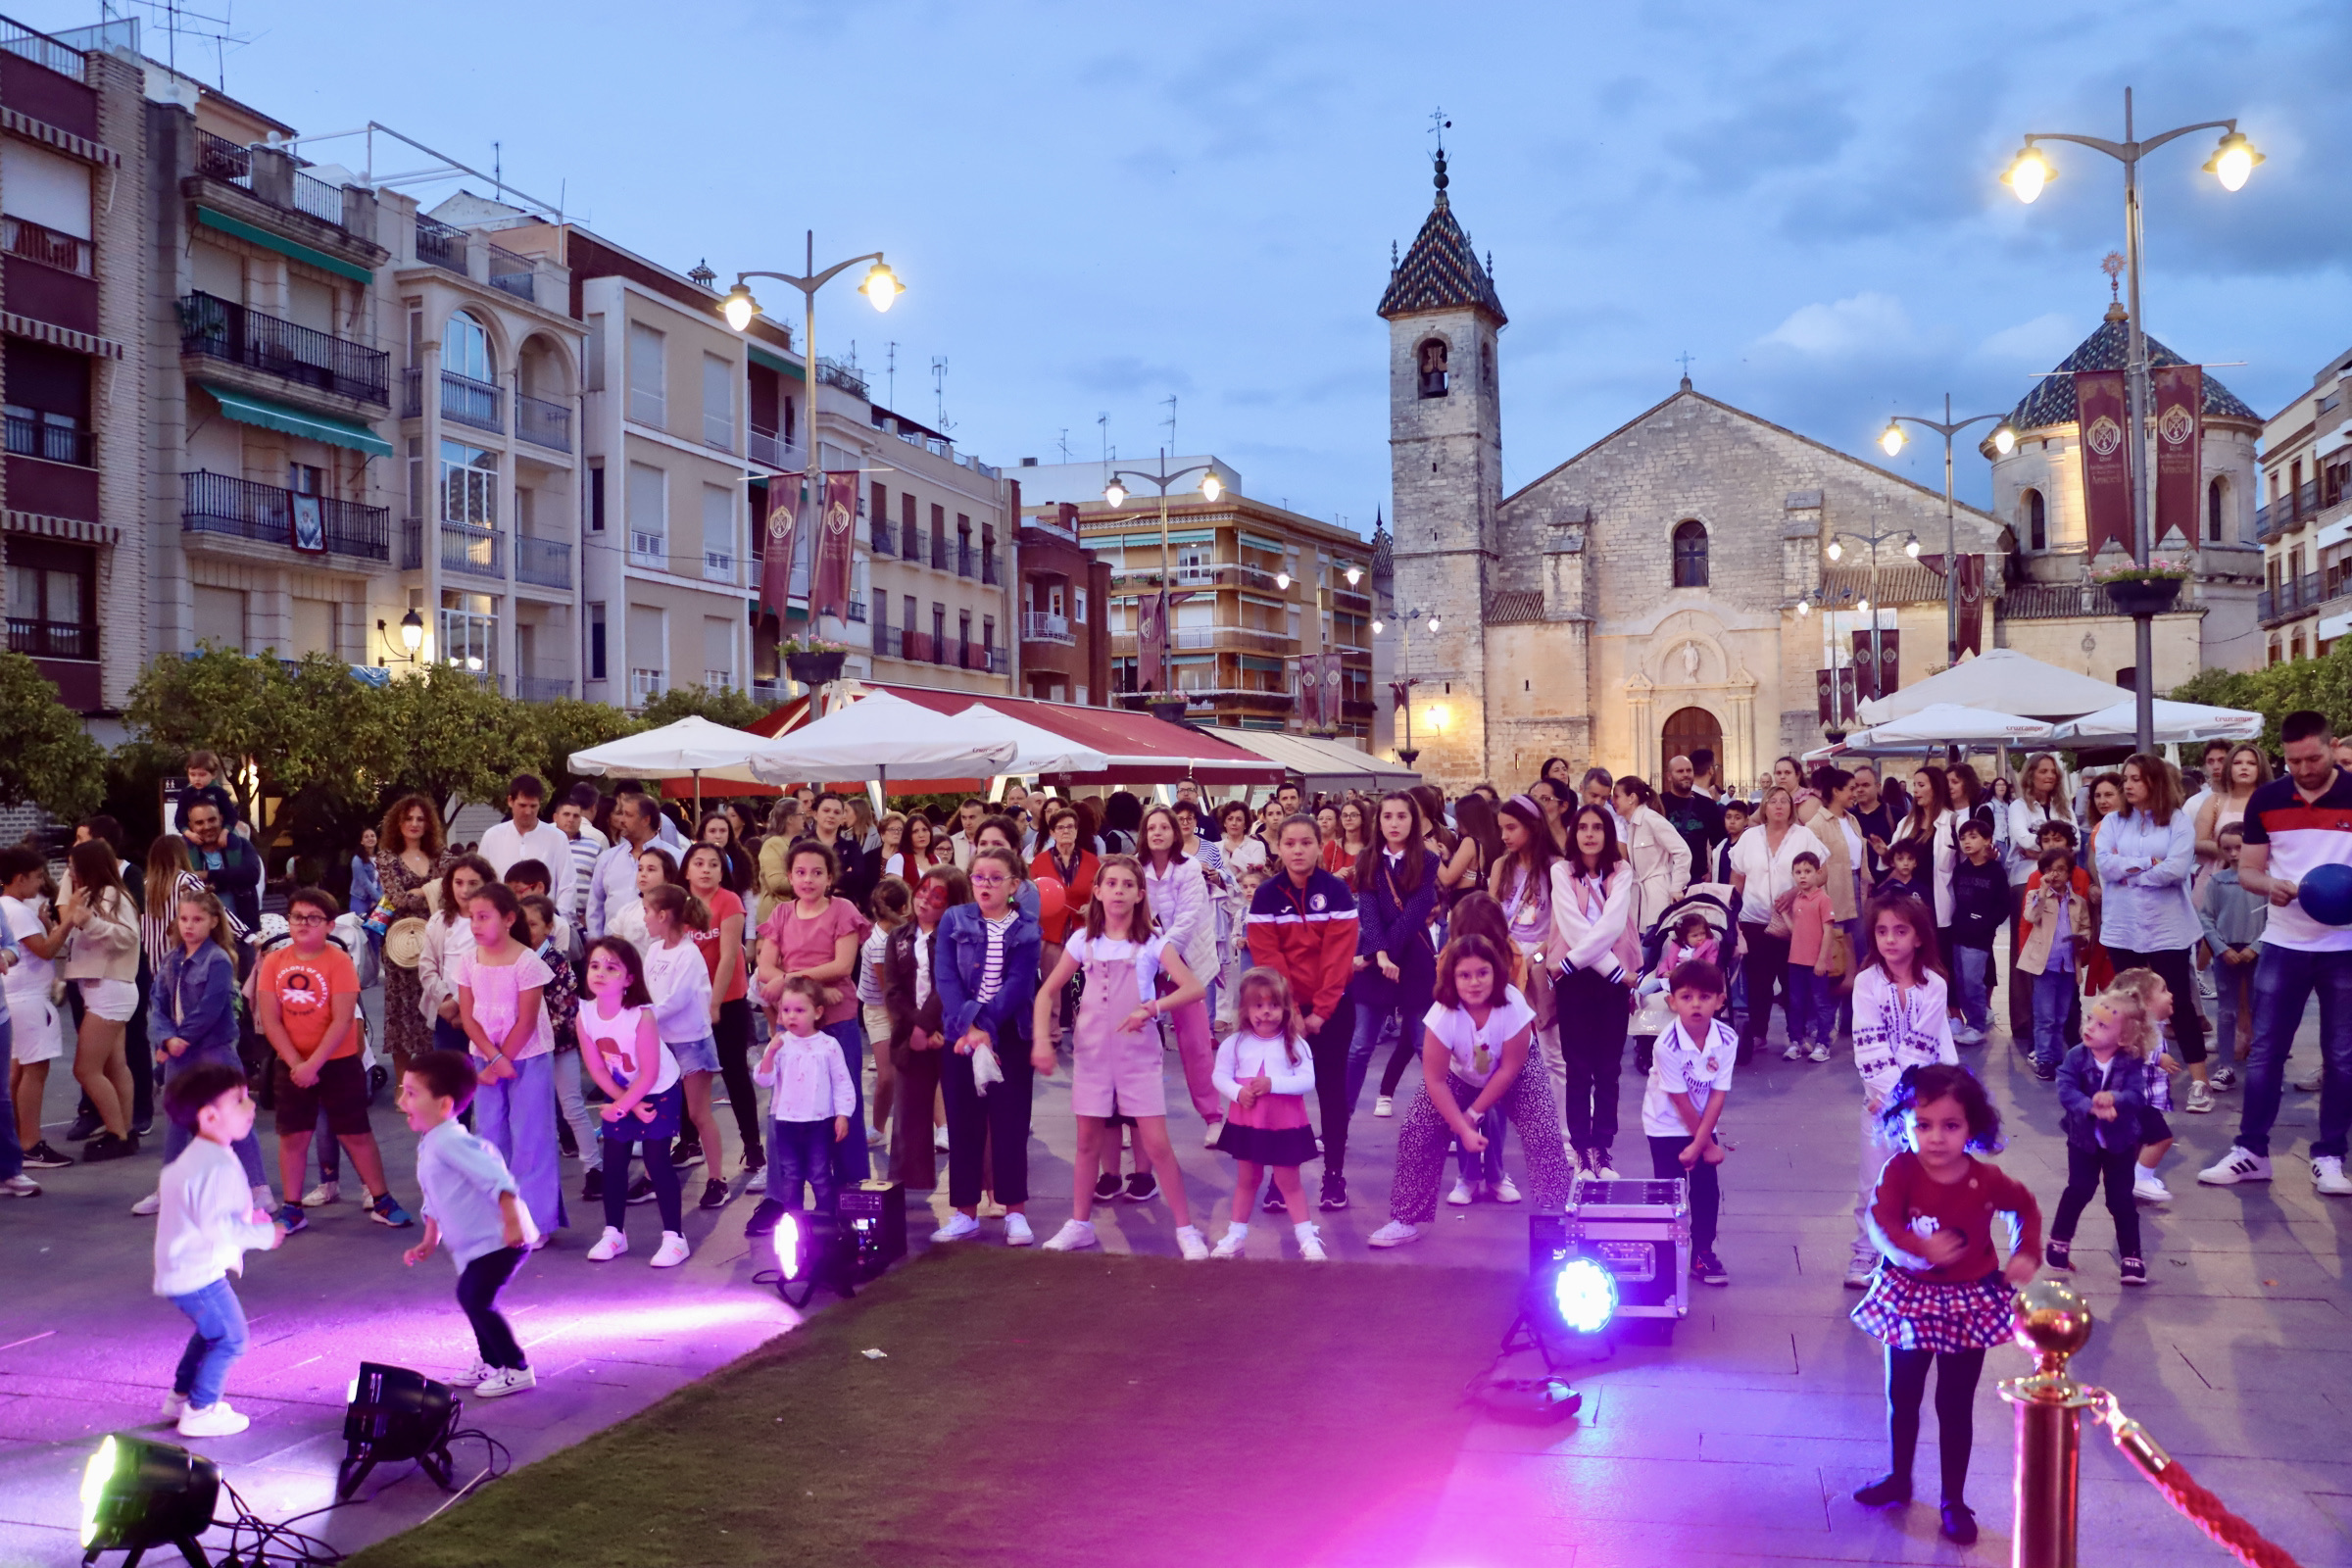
(1034, 1408)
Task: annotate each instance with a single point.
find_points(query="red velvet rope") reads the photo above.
(2207, 1513)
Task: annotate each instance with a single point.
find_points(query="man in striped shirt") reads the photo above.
(1303, 924)
(572, 815)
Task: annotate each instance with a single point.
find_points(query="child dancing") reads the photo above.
(1689, 1079)
(2103, 1090)
(1899, 1023)
(1264, 1072)
(622, 1047)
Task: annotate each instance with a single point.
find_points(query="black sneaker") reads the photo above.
(40, 1157)
(686, 1154)
(764, 1218)
(1272, 1203)
(1707, 1270)
(714, 1194)
(2059, 1254)
(1142, 1186)
(592, 1188)
(146, 1129)
(641, 1191)
(2136, 1272)
(1106, 1186)
(106, 1146)
(2045, 1074)
(1959, 1524)
(85, 1127)
(2220, 1081)
(1886, 1489)
(1335, 1193)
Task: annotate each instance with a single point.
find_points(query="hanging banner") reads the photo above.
(829, 587)
(1881, 677)
(1825, 696)
(1972, 604)
(2106, 466)
(2180, 397)
(1152, 641)
(1316, 672)
(775, 570)
(1334, 674)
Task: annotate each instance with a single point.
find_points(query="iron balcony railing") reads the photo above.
(27, 240)
(440, 245)
(472, 550)
(963, 558)
(33, 435)
(221, 502)
(219, 158)
(883, 541)
(466, 401)
(510, 273)
(542, 688)
(318, 198)
(546, 562)
(857, 611)
(543, 424)
(1037, 626)
(987, 566)
(939, 552)
(51, 639)
(220, 329)
(832, 372)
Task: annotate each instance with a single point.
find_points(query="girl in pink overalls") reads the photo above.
(1116, 1053)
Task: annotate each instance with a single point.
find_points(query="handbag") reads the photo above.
(1777, 925)
(1836, 960)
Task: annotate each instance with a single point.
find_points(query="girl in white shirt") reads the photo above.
(620, 1046)
(684, 1013)
(448, 947)
(1900, 1021)
(1264, 1073)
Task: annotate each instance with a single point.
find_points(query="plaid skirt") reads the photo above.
(1910, 1313)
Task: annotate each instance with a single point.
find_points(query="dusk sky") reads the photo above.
(1095, 206)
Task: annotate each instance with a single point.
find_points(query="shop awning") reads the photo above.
(246, 408)
(294, 249)
(1321, 764)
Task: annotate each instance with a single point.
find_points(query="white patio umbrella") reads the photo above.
(2185, 723)
(1944, 724)
(877, 736)
(1037, 749)
(693, 745)
(2006, 681)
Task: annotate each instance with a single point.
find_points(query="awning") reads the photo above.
(1326, 764)
(246, 408)
(295, 249)
(763, 355)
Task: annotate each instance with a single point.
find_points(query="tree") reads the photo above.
(222, 701)
(721, 706)
(2323, 684)
(450, 737)
(46, 758)
(568, 725)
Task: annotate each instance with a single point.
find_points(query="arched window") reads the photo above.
(2214, 515)
(1428, 364)
(465, 349)
(1691, 553)
(2036, 519)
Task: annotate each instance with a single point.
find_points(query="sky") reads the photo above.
(1098, 207)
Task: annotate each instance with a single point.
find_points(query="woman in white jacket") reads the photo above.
(1182, 907)
(1661, 856)
(1592, 920)
(448, 950)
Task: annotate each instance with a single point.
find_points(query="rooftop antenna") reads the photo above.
(1103, 422)
(889, 373)
(1170, 401)
(1066, 443)
(498, 169)
(939, 392)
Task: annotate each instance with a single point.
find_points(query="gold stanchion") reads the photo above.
(2054, 1323)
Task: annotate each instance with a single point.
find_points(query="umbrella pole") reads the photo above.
(697, 800)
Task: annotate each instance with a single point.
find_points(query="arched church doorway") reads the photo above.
(1687, 730)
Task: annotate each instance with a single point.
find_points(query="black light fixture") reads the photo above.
(392, 1413)
(136, 1495)
(412, 635)
(864, 1237)
(1569, 1300)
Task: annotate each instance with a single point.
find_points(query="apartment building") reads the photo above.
(72, 262)
(1063, 604)
(938, 527)
(1263, 586)
(2304, 523)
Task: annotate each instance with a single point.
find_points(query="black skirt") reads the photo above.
(1268, 1145)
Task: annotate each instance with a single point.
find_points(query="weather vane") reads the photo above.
(1439, 125)
(2112, 264)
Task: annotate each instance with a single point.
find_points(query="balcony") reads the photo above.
(648, 549)
(511, 273)
(219, 502)
(26, 240)
(318, 198)
(987, 566)
(939, 552)
(911, 545)
(542, 688)
(466, 401)
(1037, 626)
(439, 245)
(882, 542)
(214, 329)
(768, 447)
(51, 639)
(832, 372)
(645, 685)
(545, 563)
(48, 439)
(219, 158)
(718, 566)
(474, 551)
(2293, 597)
(963, 558)
(857, 611)
(771, 690)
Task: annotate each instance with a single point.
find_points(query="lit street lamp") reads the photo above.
(2231, 163)
(1401, 690)
(1868, 607)
(1890, 441)
(1115, 493)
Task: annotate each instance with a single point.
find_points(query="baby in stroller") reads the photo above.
(1693, 938)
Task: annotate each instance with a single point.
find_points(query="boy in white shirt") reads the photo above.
(1689, 1079)
(205, 1224)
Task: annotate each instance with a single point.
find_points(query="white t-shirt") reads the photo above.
(680, 983)
(614, 1041)
(1677, 1066)
(503, 844)
(1145, 957)
(498, 999)
(1476, 1049)
(32, 975)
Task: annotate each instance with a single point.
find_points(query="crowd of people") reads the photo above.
(598, 981)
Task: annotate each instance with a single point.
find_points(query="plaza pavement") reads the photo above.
(1736, 1444)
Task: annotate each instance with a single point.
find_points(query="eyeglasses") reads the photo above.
(981, 879)
(306, 919)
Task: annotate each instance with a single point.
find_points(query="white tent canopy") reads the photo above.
(2182, 723)
(1323, 765)
(1037, 749)
(693, 745)
(2005, 681)
(1939, 724)
(880, 736)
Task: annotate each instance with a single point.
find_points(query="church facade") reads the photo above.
(1671, 586)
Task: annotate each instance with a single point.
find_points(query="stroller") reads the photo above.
(1652, 1017)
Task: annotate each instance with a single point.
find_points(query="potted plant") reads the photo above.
(2135, 590)
(813, 661)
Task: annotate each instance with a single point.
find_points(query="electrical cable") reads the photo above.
(257, 1543)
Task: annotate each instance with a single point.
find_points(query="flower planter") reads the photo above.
(2143, 596)
(1170, 708)
(814, 669)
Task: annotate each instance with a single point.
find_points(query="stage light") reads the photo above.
(392, 1413)
(1586, 1295)
(864, 1235)
(136, 1495)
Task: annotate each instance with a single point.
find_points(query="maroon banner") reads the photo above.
(1152, 641)
(1318, 689)
(1878, 679)
(2102, 419)
(1972, 604)
(2179, 397)
(783, 534)
(1825, 694)
(829, 577)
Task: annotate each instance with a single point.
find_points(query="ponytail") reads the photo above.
(680, 905)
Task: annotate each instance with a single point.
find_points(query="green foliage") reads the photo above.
(570, 725)
(221, 699)
(736, 709)
(2324, 684)
(48, 760)
(452, 738)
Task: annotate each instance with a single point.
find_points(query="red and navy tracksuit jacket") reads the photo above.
(1308, 934)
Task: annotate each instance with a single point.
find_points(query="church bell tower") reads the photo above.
(1445, 467)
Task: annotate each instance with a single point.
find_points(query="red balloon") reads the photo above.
(1052, 902)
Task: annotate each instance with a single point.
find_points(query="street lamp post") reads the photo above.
(1401, 690)
(1116, 493)
(2231, 163)
(1890, 440)
(1870, 606)
(881, 286)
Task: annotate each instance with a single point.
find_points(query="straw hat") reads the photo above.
(404, 943)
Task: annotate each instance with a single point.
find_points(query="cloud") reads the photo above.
(1868, 322)
(2045, 340)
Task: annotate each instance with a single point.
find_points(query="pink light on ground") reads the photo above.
(638, 1321)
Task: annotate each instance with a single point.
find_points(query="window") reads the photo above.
(649, 516)
(939, 631)
(596, 497)
(881, 623)
(987, 636)
(2213, 512)
(909, 535)
(48, 408)
(718, 533)
(306, 479)
(1691, 553)
(415, 477)
(939, 536)
(52, 599)
(907, 620)
(596, 642)
(1078, 616)
(2038, 522)
(719, 402)
(1429, 364)
(963, 636)
(465, 349)
(877, 510)
(46, 188)
(649, 380)
(468, 485)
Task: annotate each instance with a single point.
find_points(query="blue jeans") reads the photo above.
(851, 1161)
(516, 1116)
(2054, 999)
(1975, 968)
(219, 1339)
(12, 1154)
(1815, 1001)
(804, 1153)
(2283, 982)
(1364, 1042)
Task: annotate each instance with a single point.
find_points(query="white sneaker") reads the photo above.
(1460, 1196)
(148, 1204)
(504, 1381)
(1794, 1053)
(1820, 1052)
(20, 1186)
(2309, 1083)
(2200, 1097)
(175, 1406)
(473, 1377)
(264, 1199)
(1395, 1232)
(672, 1251)
(1858, 1274)
(1191, 1242)
(757, 1181)
(1384, 1106)
(1233, 1241)
(1310, 1242)
(2327, 1175)
(611, 1246)
(214, 1420)
(1074, 1235)
(2237, 1165)
(1602, 1170)
(1017, 1231)
(938, 1139)
(2149, 1187)
(323, 1193)
(1504, 1191)
(1210, 1134)
(959, 1227)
